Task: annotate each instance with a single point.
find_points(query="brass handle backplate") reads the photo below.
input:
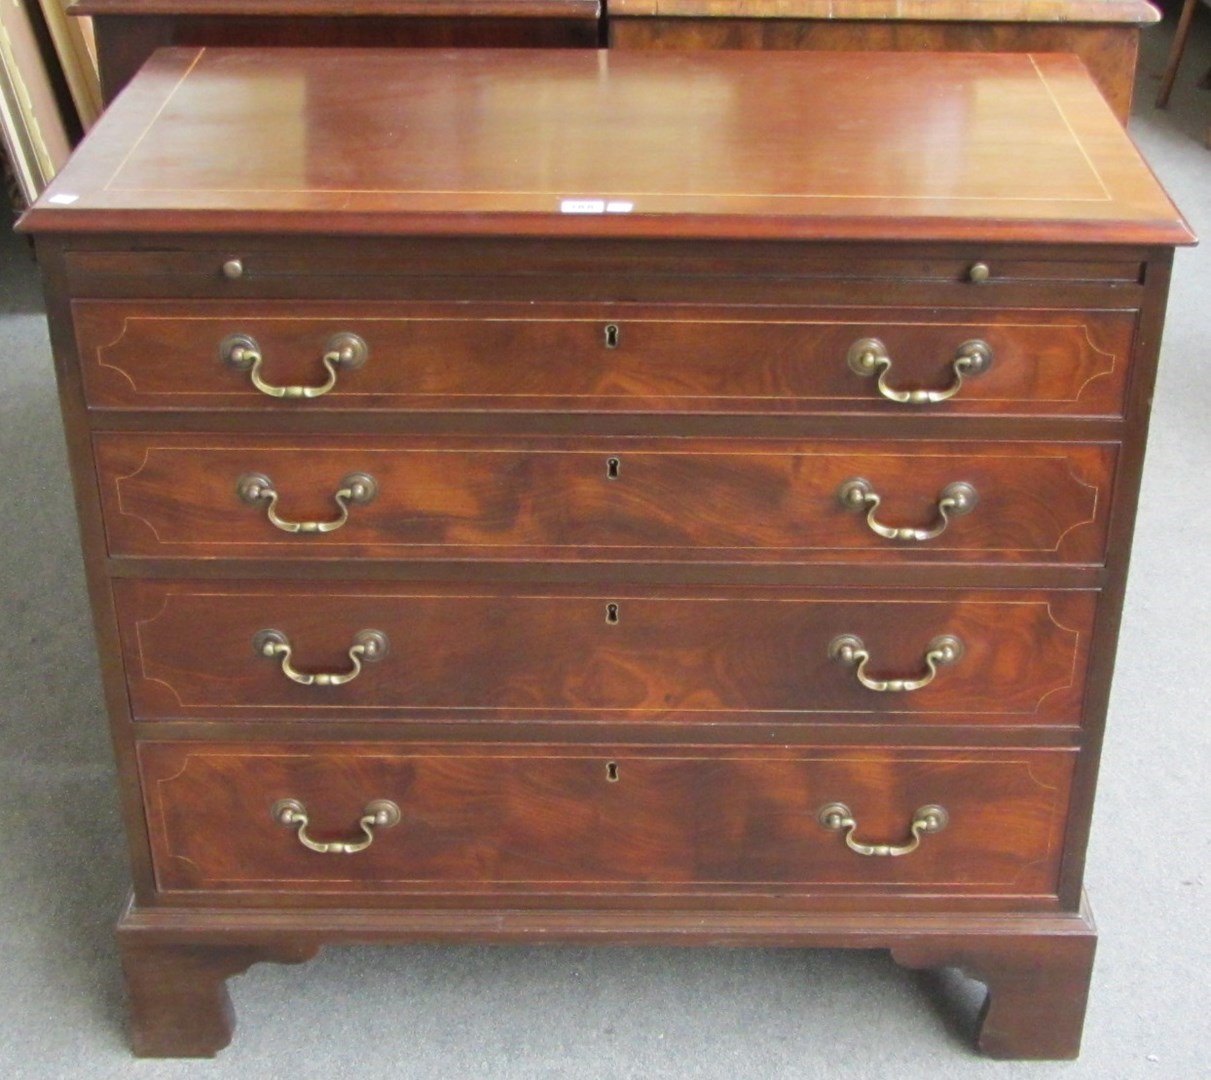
(869, 357)
(954, 500)
(849, 651)
(927, 819)
(241, 352)
(257, 488)
(377, 814)
(368, 646)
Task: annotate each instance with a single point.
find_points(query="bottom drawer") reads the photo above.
(583, 822)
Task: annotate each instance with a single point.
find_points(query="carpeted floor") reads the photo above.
(612, 1013)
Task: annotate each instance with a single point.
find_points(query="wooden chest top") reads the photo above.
(567, 143)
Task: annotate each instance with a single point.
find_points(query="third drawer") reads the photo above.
(291, 651)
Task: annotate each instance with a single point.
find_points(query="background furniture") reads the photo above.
(729, 567)
(129, 31)
(1103, 33)
(1185, 21)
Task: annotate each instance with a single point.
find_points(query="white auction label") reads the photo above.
(582, 206)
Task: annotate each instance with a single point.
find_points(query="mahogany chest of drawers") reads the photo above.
(594, 497)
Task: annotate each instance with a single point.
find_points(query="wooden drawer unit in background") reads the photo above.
(500, 532)
(1103, 33)
(129, 31)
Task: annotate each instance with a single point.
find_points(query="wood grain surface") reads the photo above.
(610, 499)
(559, 357)
(707, 144)
(533, 820)
(673, 655)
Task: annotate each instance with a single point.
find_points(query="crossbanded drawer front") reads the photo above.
(260, 651)
(600, 358)
(463, 820)
(181, 496)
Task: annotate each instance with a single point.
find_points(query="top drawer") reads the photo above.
(291, 356)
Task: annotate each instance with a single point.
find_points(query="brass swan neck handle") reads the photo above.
(869, 357)
(377, 814)
(242, 352)
(927, 819)
(848, 650)
(356, 489)
(954, 501)
(369, 646)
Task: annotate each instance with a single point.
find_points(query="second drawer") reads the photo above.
(180, 496)
(243, 650)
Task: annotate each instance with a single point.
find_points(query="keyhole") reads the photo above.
(611, 613)
(613, 465)
(612, 772)
(611, 335)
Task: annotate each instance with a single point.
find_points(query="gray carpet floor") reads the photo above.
(455, 1012)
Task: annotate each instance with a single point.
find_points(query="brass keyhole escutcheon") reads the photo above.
(612, 334)
(613, 467)
(612, 772)
(612, 614)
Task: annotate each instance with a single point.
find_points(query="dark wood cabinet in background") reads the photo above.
(1103, 33)
(607, 497)
(129, 31)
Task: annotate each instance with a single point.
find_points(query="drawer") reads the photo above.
(598, 357)
(668, 655)
(589, 822)
(188, 496)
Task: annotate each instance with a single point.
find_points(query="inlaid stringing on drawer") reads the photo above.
(662, 656)
(605, 357)
(593, 820)
(625, 498)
